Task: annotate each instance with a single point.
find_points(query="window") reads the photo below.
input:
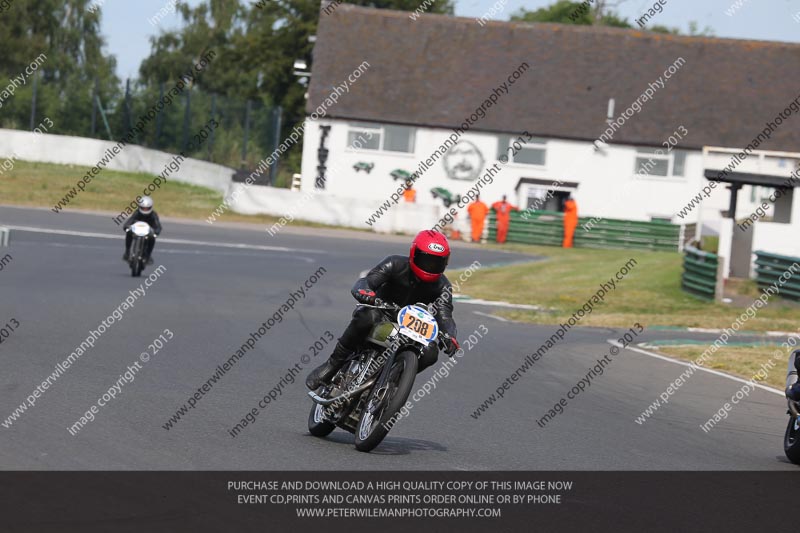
(656, 163)
(398, 139)
(369, 136)
(679, 162)
(533, 152)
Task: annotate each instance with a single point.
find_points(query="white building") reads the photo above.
(656, 100)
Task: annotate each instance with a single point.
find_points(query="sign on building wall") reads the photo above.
(464, 161)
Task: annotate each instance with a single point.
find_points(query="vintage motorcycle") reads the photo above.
(137, 255)
(367, 393)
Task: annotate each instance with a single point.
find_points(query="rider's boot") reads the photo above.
(329, 368)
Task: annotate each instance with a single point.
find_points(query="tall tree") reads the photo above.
(256, 46)
(600, 13)
(68, 34)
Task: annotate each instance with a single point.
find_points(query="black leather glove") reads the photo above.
(452, 346)
(365, 296)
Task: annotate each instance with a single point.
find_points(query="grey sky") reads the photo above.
(127, 30)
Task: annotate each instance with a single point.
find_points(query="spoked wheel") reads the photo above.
(384, 403)
(318, 425)
(791, 440)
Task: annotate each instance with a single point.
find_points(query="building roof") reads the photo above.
(437, 70)
(747, 178)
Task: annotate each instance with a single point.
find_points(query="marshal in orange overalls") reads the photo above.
(570, 222)
(477, 211)
(503, 210)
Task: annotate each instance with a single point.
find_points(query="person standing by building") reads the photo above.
(477, 211)
(570, 221)
(503, 210)
(410, 194)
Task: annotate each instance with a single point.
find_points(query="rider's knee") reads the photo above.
(429, 356)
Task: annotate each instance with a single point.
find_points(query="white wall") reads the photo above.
(776, 238)
(85, 153)
(327, 208)
(726, 229)
(608, 185)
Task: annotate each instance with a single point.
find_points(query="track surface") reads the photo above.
(59, 286)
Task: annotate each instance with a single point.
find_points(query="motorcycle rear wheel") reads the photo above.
(791, 441)
(372, 428)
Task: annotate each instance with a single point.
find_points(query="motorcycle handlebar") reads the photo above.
(443, 337)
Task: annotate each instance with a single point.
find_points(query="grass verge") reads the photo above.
(649, 294)
(44, 184)
(742, 361)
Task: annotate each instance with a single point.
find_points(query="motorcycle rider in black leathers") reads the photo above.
(402, 280)
(145, 213)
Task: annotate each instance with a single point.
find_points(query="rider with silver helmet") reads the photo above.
(145, 213)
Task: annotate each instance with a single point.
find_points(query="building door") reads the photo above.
(541, 199)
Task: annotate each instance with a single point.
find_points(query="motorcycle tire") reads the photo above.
(137, 264)
(791, 441)
(317, 425)
(367, 438)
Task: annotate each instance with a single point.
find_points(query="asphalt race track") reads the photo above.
(212, 295)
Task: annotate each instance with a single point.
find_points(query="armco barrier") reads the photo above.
(702, 274)
(547, 227)
(770, 267)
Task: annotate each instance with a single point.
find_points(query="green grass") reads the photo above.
(44, 184)
(741, 361)
(650, 294)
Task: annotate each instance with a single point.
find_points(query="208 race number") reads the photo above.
(417, 324)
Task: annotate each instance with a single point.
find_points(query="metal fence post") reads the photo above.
(186, 120)
(33, 100)
(159, 117)
(213, 114)
(273, 169)
(246, 132)
(94, 108)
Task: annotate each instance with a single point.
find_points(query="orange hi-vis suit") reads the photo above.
(570, 222)
(410, 195)
(477, 211)
(503, 210)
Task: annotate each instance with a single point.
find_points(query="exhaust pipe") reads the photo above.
(346, 396)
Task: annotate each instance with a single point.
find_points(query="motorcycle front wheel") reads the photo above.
(317, 424)
(382, 406)
(791, 440)
(136, 262)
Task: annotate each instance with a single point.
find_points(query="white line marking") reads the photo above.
(746, 333)
(684, 363)
(462, 299)
(501, 319)
(166, 240)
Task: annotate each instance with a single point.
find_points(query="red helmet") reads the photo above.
(429, 255)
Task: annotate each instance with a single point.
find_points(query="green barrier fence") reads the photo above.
(770, 268)
(547, 227)
(701, 274)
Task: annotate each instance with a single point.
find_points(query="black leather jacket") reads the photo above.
(393, 281)
(151, 219)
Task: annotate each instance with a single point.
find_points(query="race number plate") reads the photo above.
(418, 324)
